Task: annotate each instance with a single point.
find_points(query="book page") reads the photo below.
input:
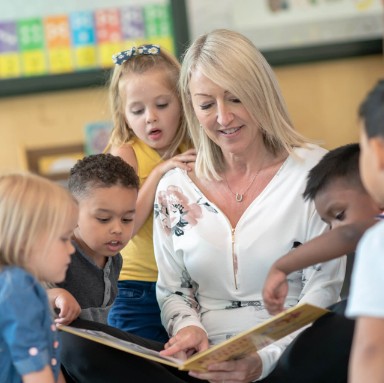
(123, 345)
(234, 348)
(257, 337)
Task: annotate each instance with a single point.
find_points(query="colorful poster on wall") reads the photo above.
(9, 50)
(109, 34)
(30, 35)
(97, 136)
(71, 36)
(58, 44)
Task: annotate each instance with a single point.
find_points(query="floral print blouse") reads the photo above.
(211, 275)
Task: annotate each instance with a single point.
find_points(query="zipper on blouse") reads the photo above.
(234, 257)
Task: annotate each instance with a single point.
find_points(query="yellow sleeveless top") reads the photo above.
(139, 262)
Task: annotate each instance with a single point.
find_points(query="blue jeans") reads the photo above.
(136, 310)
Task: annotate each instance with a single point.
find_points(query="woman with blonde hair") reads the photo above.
(219, 228)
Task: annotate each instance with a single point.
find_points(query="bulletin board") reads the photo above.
(47, 45)
(296, 31)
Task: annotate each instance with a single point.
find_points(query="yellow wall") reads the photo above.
(322, 98)
(46, 119)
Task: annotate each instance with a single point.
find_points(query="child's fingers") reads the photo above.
(273, 310)
(190, 152)
(188, 156)
(186, 159)
(273, 303)
(186, 165)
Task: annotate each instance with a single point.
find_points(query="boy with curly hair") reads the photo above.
(106, 189)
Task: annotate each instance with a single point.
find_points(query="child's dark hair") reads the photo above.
(101, 171)
(339, 163)
(371, 111)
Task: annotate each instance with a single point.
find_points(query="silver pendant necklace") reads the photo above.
(239, 196)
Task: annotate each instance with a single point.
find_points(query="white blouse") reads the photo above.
(211, 275)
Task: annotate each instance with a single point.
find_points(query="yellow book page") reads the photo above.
(257, 337)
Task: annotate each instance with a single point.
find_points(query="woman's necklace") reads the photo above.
(239, 196)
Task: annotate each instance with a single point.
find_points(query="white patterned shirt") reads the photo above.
(212, 275)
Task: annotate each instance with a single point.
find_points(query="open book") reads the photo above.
(239, 345)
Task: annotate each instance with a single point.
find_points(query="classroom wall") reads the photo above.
(46, 119)
(322, 98)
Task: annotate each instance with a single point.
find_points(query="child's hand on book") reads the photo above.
(275, 290)
(187, 341)
(68, 307)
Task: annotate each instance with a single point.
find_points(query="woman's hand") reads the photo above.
(275, 290)
(243, 370)
(187, 341)
(183, 160)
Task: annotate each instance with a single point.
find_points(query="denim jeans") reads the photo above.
(136, 310)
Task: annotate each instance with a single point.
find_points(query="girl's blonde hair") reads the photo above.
(232, 61)
(30, 207)
(139, 64)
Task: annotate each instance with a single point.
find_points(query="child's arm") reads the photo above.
(67, 304)
(146, 197)
(332, 244)
(43, 376)
(366, 363)
(61, 378)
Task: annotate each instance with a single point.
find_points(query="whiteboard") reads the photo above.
(282, 24)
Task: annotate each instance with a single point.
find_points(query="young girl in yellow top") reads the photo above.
(150, 134)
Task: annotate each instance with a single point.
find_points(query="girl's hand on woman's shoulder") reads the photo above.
(183, 160)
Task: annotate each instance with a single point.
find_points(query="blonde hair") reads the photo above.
(30, 207)
(122, 132)
(232, 61)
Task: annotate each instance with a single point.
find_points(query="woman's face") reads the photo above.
(222, 115)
